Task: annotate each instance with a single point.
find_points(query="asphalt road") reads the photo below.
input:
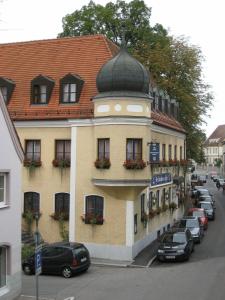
(202, 277)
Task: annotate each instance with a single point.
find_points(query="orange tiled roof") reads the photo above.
(23, 61)
(162, 119)
(84, 55)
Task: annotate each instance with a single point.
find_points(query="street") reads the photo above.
(202, 277)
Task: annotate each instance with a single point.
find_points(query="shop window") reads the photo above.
(142, 206)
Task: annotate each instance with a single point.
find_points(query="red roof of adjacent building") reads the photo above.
(218, 136)
(83, 56)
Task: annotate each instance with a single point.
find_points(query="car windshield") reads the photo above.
(189, 223)
(198, 213)
(174, 238)
(206, 205)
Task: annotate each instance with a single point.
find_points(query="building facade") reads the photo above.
(213, 146)
(11, 158)
(104, 152)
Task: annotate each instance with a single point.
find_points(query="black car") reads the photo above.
(60, 258)
(175, 244)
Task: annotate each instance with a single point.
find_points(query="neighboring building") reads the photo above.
(213, 146)
(87, 147)
(11, 158)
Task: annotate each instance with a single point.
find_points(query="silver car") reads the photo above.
(195, 227)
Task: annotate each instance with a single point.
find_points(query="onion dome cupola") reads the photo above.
(123, 76)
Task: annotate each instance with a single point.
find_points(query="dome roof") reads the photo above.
(123, 75)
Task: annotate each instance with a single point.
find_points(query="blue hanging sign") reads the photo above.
(161, 179)
(154, 152)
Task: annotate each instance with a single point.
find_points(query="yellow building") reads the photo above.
(104, 152)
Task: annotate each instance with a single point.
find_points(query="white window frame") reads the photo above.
(3, 203)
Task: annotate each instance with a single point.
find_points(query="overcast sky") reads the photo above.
(202, 21)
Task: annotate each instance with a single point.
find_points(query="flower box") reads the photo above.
(31, 163)
(61, 163)
(173, 162)
(57, 216)
(103, 163)
(92, 219)
(134, 164)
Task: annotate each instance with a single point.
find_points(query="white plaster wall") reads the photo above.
(10, 216)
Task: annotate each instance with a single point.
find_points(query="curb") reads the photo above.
(151, 261)
(110, 265)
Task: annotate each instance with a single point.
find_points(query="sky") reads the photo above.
(201, 21)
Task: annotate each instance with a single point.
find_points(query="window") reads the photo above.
(135, 224)
(69, 92)
(6, 86)
(40, 94)
(170, 151)
(62, 203)
(163, 151)
(3, 90)
(157, 198)
(70, 88)
(160, 103)
(134, 149)
(33, 150)
(163, 198)
(181, 152)
(41, 89)
(166, 106)
(31, 202)
(94, 209)
(142, 205)
(2, 266)
(62, 149)
(2, 189)
(150, 204)
(175, 152)
(103, 148)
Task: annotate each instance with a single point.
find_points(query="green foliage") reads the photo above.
(175, 65)
(64, 233)
(29, 219)
(27, 250)
(218, 162)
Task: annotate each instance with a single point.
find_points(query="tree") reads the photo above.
(175, 65)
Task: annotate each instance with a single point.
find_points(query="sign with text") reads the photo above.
(154, 152)
(38, 261)
(161, 179)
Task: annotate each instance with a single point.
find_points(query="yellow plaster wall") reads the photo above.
(46, 180)
(112, 104)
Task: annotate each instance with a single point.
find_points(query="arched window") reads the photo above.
(94, 209)
(31, 202)
(62, 203)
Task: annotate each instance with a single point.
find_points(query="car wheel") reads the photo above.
(27, 270)
(66, 272)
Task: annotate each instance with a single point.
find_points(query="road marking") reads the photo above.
(40, 298)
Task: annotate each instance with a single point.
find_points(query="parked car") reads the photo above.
(201, 214)
(209, 209)
(175, 244)
(195, 227)
(60, 258)
(207, 198)
(220, 182)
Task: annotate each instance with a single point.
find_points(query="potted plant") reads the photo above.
(158, 210)
(134, 164)
(144, 219)
(102, 163)
(29, 217)
(92, 218)
(31, 164)
(61, 162)
(151, 213)
(62, 217)
(172, 206)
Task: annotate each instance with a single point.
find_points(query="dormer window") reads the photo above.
(70, 88)
(41, 89)
(6, 87)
